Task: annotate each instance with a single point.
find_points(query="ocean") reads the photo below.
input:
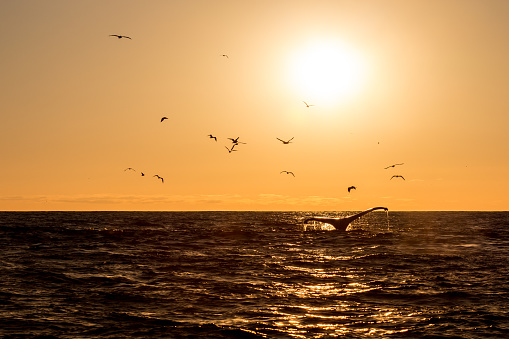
(253, 275)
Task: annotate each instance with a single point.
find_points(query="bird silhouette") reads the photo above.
(231, 149)
(307, 104)
(225, 55)
(129, 169)
(351, 188)
(158, 177)
(393, 165)
(287, 172)
(212, 137)
(236, 141)
(397, 176)
(142, 174)
(163, 118)
(285, 142)
(121, 36)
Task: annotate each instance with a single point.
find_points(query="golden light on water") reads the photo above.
(301, 314)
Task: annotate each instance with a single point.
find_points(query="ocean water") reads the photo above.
(253, 275)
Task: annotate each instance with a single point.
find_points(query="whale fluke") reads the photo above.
(341, 224)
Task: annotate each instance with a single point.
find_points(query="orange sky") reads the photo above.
(422, 83)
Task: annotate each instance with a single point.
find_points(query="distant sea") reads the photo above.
(253, 275)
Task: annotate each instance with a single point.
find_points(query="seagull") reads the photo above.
(163, 118)
(393, 165)
(287, 172)
(351, 188)
(129, 169)
(231, 149)
(397, 176)
(158, 177)
(307, 104)
(224, 55)
(236, 141)
(120, 36)
(285, 142)
(212, 137)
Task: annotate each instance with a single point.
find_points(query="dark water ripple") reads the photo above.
(252, 275)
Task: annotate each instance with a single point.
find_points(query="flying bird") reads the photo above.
(212, 137)
(393, 165)
(231, 149)
(121, 36)
(142, 174)
(285, 142)
(129, 169)
(163, 118)
(351, 188)
(307, 104)
(397, 176)
(287, 172)
(225, 55)
(158, 177)
(236, 141)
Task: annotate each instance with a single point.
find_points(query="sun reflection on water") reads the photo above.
(300, 316)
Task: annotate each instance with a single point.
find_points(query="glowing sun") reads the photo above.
(326, 73)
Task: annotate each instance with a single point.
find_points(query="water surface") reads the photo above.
(253, 275)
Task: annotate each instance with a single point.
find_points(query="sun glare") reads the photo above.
(327, 72)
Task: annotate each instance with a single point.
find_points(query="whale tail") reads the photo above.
(342, 224)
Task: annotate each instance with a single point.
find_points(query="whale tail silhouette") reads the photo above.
(341, 224)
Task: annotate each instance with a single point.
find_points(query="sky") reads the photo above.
(418, 83)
